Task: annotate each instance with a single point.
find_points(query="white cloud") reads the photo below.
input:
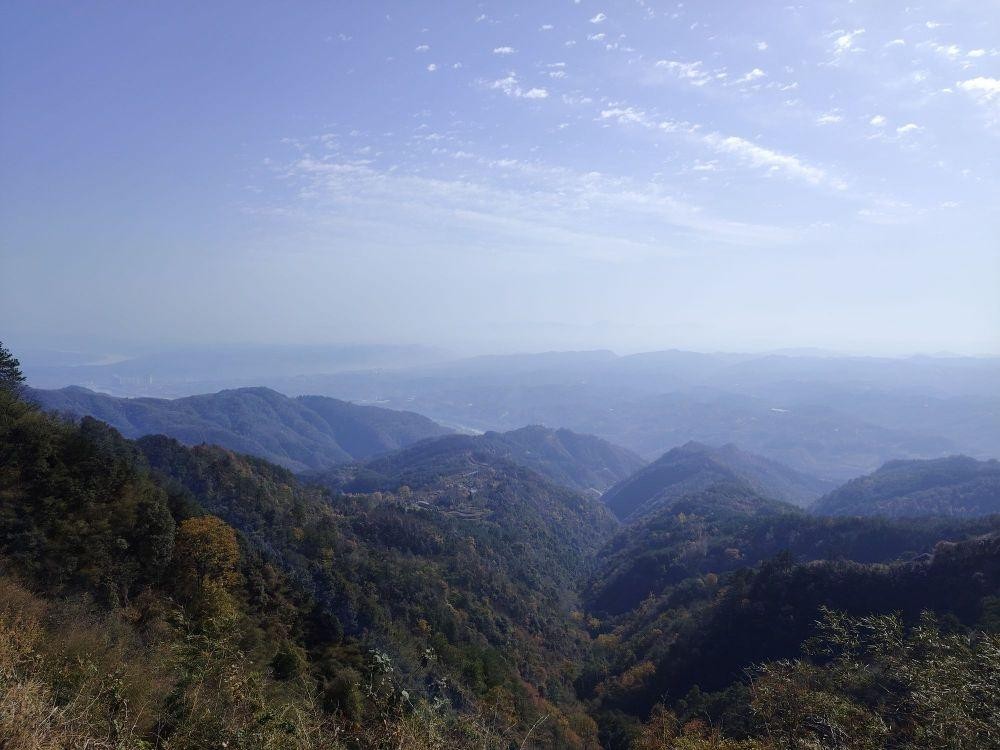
(512, 88)
(432, 67)
(690, 72)
(949, 51)
(596, 37)
(910, 127)
(981, 87)
(546, 27)
(844, 41)
(896, 43)
(599, 18)
(550, 208)
(503, 50)
(774, 161)
(761, 46)
(977, 53)
(932, 24)
(830, 118)
(878, 121)
(626, 115)
(422, 48)
(753, 75)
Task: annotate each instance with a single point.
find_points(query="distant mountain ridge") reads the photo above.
(693, 467)
(303, 433)
(953, 486)
(581, 462)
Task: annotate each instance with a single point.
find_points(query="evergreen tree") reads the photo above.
(11, 377)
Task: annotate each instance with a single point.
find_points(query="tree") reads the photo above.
(207, 554)
(11, 378)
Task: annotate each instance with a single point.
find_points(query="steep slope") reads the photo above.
(727, 527)
(473, 478)
(695, 466)
(309, 432)
(706, 634)
(955, 486)
(581, 462)
(829, 417)
(461, 598)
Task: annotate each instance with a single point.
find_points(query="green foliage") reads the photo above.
(880, 684)
(728, 527)
(11, 377)
(76, 510)
(955, 486)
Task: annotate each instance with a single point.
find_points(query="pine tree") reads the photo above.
(11, 377)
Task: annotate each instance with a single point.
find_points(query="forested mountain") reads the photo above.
(832, 417)
(727, 527)
(690, 648)
(447, 595)
(458, 593)
(695, 466)
(308, 432)
(955, 486)
(581, 462)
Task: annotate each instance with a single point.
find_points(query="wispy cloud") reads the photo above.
(845, 42)
(773, 161)
(692, 72)
(751, 76)
(510, 85)
(535, 205)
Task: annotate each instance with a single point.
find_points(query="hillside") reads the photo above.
(728, 527)
(955, 486)
(308, 432)
(830, 417)
(695, 466)
(459, 594)
(692, 646)
(581, 462)
(172, 597)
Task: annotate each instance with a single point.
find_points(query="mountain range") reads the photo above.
(581, 462)
(953, 486)
(694, 466)
(308, 432)
(473, 590)
(832, 417)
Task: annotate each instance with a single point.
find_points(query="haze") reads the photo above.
(502, 176)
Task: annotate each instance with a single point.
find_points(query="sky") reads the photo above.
(502, 176)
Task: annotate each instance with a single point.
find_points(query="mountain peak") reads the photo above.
(694, 466)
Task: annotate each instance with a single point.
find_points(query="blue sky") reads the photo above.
(633, 175)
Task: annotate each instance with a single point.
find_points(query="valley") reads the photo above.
(532, 588)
